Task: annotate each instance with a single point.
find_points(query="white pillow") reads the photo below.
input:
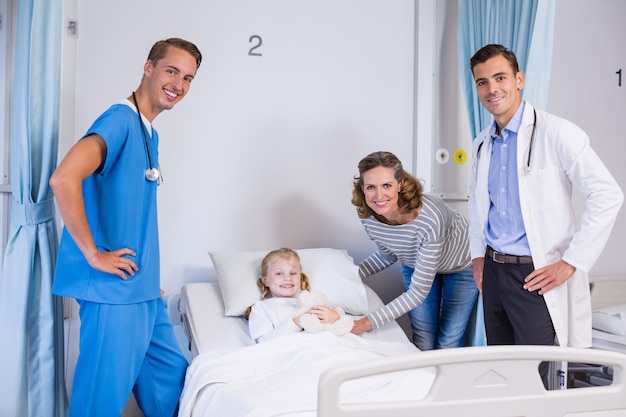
(331, 272)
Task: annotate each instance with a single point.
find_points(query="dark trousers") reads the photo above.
(513, 315)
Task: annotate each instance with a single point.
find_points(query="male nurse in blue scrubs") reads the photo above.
(108, 259)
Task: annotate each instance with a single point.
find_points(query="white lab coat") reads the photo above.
(561, 159)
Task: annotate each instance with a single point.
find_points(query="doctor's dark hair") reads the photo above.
(491, 51)
(410, 195)
(159, 49)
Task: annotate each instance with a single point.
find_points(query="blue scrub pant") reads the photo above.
(124, 348)
(441, 320)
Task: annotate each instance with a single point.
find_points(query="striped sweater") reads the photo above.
(436, 242)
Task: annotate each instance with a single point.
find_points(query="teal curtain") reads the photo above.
(526, 27)
(31, 318)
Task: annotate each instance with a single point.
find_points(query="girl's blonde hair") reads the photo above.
(285, 253)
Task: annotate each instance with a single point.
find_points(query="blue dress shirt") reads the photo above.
(505, 229)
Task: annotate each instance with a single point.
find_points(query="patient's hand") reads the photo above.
(361, 326)
(324, 313)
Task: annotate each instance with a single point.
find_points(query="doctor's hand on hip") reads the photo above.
(549, 277)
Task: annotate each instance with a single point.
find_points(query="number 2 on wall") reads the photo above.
(255, 46)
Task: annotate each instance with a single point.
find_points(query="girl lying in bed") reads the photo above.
(288, 305)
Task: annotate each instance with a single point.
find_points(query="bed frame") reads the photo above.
(488, 381)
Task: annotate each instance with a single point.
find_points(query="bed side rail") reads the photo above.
(486, 381)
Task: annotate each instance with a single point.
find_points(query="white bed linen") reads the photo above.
(280, 377)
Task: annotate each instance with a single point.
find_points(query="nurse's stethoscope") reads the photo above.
(530, 146)
(152, 173)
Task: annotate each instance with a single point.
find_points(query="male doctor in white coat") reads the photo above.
(530, 258)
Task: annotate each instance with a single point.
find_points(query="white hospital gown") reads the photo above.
(273, 317)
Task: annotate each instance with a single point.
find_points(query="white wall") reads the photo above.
(263, 150)
(589, 49)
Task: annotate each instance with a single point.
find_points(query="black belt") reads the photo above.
(503, 258)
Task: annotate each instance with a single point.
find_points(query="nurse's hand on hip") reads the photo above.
(115, 262)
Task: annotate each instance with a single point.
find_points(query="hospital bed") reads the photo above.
(379, 373)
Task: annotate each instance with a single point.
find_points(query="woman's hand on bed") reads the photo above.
(361, 326)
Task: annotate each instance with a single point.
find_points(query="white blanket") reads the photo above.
(280, 377)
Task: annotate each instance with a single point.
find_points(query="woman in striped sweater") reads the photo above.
(430, 239)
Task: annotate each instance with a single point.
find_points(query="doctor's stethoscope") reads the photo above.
(530, 146)
(152, 173)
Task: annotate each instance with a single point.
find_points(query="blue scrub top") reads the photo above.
(122, 213)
